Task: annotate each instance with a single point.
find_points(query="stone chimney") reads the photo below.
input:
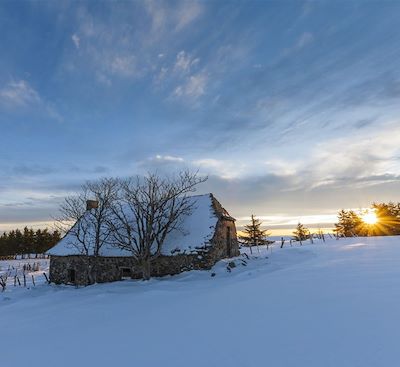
(92, 204)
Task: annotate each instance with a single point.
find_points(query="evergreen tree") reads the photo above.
(27, 241)
(301, 233)
(254, 235)
(38, 238)
(388, 219)
(4, 244)
(19, 242)
(55, 237)
(350, 224)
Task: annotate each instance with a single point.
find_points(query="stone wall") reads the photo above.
(223, 247)
(107, 269)
(88, 269)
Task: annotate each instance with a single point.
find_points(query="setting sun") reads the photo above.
(369, 218)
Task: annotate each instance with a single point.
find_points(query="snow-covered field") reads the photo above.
(324, 304)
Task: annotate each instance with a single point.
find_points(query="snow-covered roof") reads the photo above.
(196, 232)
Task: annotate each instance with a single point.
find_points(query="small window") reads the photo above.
(71, 275)
(126, 272)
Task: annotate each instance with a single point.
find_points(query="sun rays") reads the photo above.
(369, 218)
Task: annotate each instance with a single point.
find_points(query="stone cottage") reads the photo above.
(208, 235)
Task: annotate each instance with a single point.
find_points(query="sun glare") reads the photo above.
(369, 218)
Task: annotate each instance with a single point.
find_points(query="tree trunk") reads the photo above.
(146, 269)
(90, 270)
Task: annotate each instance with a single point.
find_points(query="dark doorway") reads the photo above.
(228, 241)
(126, 273)
(71, 275)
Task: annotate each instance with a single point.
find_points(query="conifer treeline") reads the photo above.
(27, 241)
(351, 223)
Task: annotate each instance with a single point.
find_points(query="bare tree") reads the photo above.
(149, 209)
(89, 210)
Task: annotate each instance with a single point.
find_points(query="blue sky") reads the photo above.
(291, 108)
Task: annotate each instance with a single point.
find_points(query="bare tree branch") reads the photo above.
(90, 231)
(149, 209)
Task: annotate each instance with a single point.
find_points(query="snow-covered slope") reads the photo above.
(333, 304)
(196, 231)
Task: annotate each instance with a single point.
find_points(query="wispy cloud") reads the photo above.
(110, 65)
(345, 161)
(225, 169)
(305, 39)
(184, 62)
(124, 66)
(158, 15)
(193, 87)
(187, 13)
(176, 16)
(109, 49)
(76, 40)
(183, 79)
(19, 94)
(162, 163)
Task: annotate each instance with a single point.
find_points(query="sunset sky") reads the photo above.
(291, 108)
